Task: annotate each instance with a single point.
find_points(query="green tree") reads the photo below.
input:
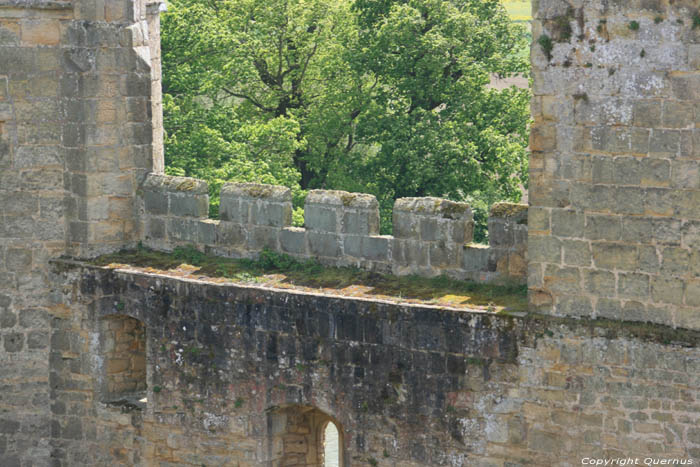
(388, 97)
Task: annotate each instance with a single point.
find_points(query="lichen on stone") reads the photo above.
(508, 209)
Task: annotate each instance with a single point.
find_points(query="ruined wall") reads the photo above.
(408, 386)
(614, 180)
(75, 143)
(431, 236)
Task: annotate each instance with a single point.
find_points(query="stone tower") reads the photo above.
(79, 91)
(614, 222)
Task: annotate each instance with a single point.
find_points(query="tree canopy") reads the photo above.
(388, 97)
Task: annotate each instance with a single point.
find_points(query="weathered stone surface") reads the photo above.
(531, 378)
(633, 121)
(257, 191)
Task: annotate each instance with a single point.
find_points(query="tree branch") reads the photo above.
(249, 99)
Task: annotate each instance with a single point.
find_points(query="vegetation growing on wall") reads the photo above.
(282, 271)
(389, 98)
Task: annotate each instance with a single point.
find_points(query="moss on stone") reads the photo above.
(282, 271)
(186, 185)
(507, 209)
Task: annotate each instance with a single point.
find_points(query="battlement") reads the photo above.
(432, 236)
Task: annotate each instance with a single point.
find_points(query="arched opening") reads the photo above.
(304, 436)
(331, 445)
(123, 352)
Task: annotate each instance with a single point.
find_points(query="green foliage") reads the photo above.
(547, 45)
(634, 25)
(389, 97)
(696, 20)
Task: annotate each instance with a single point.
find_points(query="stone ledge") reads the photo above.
(36, 4)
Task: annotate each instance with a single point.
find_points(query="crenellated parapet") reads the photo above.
(432, 236)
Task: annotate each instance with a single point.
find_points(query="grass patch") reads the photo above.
(282, 271)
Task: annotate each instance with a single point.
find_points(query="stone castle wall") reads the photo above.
(614, 168)
(231, 367)
(237, 375)
(432, 236)
(76, 141)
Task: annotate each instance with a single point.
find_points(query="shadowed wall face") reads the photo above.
(238, 374)
(614, 224)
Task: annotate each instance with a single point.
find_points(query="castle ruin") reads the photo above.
(604, 366)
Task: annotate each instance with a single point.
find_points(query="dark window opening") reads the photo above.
(123, 344)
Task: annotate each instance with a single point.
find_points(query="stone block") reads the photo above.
(13, 342)
(567, 223)
(155, 228)
(8, 318)
(609, 308)
(626, 171)
(637, 229)
(352, 245)
(501, 233)
(685, 175)
(293, 240)
(234, 209)
(183, 230)
(19, 259)
(649, 261)
(323, 244)
(660, 202)
(647, 113)
(429, 230)
(156, 202)
(544, 249)
(665, 142)
(412, 253)
(574, 306)
(475, 258)
(667, 290)
(675, 261)
(376, 248)
(257, 191)
(34, 318)
(321, 218)
(635, 286)
(444, 255)
(543, 137)
(614, 256)
(263, 237)
(37, 340)
(562, 280)
(576, 253)
(677, 114)
(692, 294)
(629, 200)
(655, 172)
(208, 231)
(170, 184)
(40, 32)
(189, 205)
(361, 222)
(600, 283)
(231, 234)
(406, 225)
(271, 214)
